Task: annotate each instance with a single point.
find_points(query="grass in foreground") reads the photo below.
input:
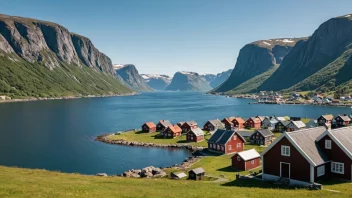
(16, 182)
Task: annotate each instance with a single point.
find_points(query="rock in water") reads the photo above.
(188, 81)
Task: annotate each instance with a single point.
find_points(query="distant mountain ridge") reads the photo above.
(188, 81)
(130, 75)
(43, 59)
(157, 81)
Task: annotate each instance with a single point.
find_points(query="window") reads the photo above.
(321, 171)
(238, 158)
(222, 148)
(218, 147)
(238, 145)
(234, 137)
(337, 167)
(328, 144)
(230, 147)
(252, 162)
(285, 150)
(191, 137)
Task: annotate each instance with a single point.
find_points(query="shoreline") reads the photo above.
(66, 98)
(104, 138)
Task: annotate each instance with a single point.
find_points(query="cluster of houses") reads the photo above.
(167, 130)
(320, 99)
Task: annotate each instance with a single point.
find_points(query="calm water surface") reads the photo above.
(59, 134)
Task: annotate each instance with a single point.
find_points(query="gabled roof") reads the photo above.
(239, 120)
(216, 123)
(180, 174)
(150, 124)
(221, 136)
(255, 120)
(192, 123)
(285, 123)
(165, 123)
(181, 123)
(280, 118)
(344, 137)
(298, 124)
(345, 118)
(197, 131)
(328, 117)
(265, 132)
(175, 128)
(305, 142)
(261, 118)
(248, 154)
(312, 123)
(198, 170)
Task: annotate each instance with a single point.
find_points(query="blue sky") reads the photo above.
(164, 36)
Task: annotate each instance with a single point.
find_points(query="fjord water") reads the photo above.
(59, 134)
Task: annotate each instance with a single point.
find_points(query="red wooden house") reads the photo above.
(226, 141)
(212, 125)
(162, 125)
(238, 123)
(253, 123)
(149, 127)
(195, 135)
(246, 160)
(228, 123)
(172, 131)
(309, 155)
(187, 126)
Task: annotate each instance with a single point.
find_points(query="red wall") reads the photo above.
(244, 165)
(237, 164)
(233, 143)
(250, 166)
(195, 138)
(299, 166)
(337, 155)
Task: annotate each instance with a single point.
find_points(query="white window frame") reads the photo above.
(321, 170)
(234, 137)
(252, 162)
(230, 147)
(238, 158)
(238, 145)
(328, 144)
(285, 151)
(338, 167)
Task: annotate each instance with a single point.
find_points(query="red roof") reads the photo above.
(150, 124)
(175, 128)
(255, 120)
(239, 120)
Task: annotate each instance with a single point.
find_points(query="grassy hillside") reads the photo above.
(16, 182)
(21, 79)
(252, 84)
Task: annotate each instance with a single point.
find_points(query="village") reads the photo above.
(285, 150)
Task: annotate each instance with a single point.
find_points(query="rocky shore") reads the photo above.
(105, 139)
(65, 97)
(153, 172)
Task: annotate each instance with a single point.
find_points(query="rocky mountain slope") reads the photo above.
(257, 58)
(130, 75)
(157, 81)
(188, 81)
(220, 78)
(44, 59)
(322, 62)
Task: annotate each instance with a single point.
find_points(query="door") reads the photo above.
(284, 170)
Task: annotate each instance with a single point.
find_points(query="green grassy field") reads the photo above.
(139, 136)
(16, 182)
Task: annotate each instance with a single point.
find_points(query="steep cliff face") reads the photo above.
(329, 42)
(39, 43)
(188, 81)
(130, 75)
(256, 58)
(156, 81)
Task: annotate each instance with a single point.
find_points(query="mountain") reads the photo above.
(188, 81)
(220, 78)
(44, 59)
(209, 77)
(257, 58)
(323, 62)
(157, 81)
(130, 75)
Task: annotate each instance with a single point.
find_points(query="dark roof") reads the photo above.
(245, 133)
(306, 140)
(221, 136)
(198, 170)
(285, 123)
(265, 132)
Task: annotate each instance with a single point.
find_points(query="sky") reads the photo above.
(166, 36)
